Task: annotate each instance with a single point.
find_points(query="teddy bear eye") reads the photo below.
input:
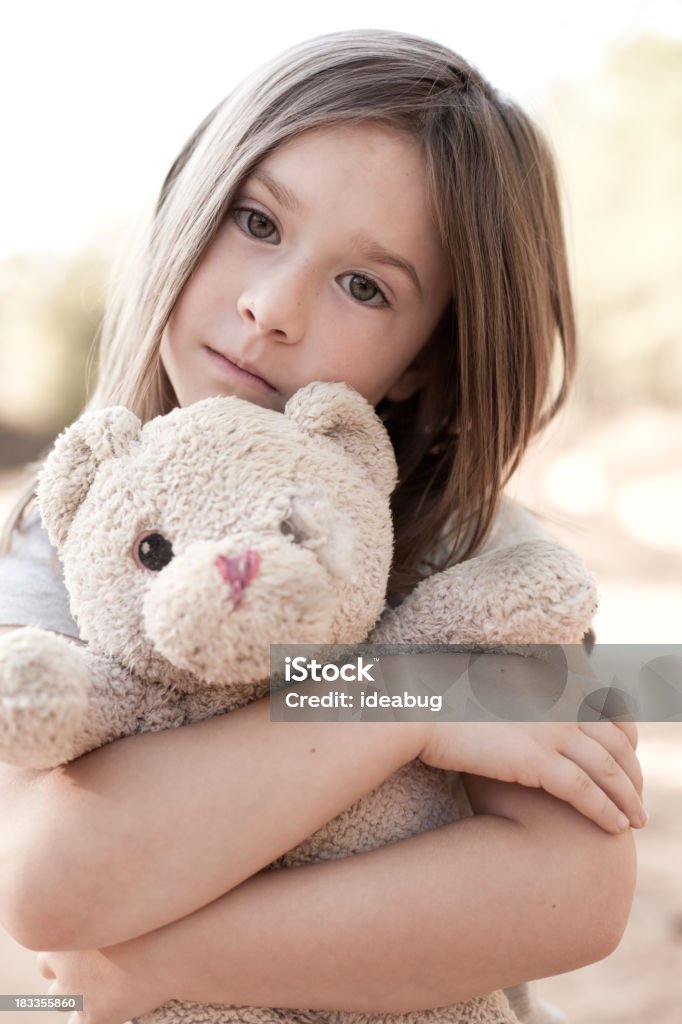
(289, 528)
(153, 551)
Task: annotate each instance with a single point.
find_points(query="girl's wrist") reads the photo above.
(144, 962)
(413, 738)
(170, 967)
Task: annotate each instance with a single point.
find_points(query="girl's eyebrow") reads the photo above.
(371, 250)
(367, 247)
(281, 193)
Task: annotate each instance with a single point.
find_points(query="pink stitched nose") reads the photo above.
(238, 571)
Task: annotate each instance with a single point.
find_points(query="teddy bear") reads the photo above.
(191, 542)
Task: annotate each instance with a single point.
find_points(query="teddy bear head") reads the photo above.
(192, 542)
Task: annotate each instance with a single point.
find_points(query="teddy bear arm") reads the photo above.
(434, 613)
(533, 592)
(57, 699)
(115, 704)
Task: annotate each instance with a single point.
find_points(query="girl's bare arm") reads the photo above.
(442, 917)
(426, 922)
(149, 828)
(173, 820)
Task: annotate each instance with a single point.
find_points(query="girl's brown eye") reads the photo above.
(363, 288)
(254, 223)
(152, 551)
(259, 225)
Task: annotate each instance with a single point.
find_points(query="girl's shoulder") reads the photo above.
(32, 589)
(513, 524)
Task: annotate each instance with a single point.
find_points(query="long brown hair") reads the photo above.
(499, 364)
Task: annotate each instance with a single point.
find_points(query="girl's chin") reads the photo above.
(229, 379)
(273, 401)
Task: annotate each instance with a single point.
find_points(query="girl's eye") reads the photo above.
(365, 290)
(257, 225)
(254, 223)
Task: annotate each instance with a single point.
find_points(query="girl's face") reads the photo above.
(328, 267)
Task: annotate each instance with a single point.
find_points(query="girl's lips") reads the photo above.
(230, 369)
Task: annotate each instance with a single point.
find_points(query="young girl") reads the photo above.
(366, 208)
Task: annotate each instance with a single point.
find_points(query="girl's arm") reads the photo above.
(421, 923)
(152, 827)
(442, 917)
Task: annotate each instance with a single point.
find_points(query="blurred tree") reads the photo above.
(619, 143)
(50, 310)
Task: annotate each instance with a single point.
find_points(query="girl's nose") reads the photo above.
(276, 306)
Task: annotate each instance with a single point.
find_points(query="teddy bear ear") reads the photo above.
(68, 471)
(337, 411)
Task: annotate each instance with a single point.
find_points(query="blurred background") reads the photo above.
(96, 102)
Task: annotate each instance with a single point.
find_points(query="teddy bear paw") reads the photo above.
(44, 687)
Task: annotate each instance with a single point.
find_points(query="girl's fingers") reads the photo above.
(566, 780)
(594, 759)
(630, 730)
(44, 965)
(619, 743)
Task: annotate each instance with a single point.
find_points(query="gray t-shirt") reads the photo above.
(32, 590)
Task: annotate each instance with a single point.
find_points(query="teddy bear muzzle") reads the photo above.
(238, 571)
(216, 607)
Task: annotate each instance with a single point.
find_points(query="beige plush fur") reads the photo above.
(280, 530)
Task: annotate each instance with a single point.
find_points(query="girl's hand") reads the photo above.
(591, 765)
(116, 983)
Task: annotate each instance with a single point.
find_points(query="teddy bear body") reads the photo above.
(193, 542)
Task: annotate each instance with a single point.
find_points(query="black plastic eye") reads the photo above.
(152, 551)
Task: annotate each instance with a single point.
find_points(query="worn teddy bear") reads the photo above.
(189, 543)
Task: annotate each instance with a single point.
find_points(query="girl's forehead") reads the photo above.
(341, 131)
(365, 181)
(358, 142)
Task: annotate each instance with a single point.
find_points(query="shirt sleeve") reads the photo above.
(32, 589)
(513, 524)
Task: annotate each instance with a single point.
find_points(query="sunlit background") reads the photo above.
(96, 101)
